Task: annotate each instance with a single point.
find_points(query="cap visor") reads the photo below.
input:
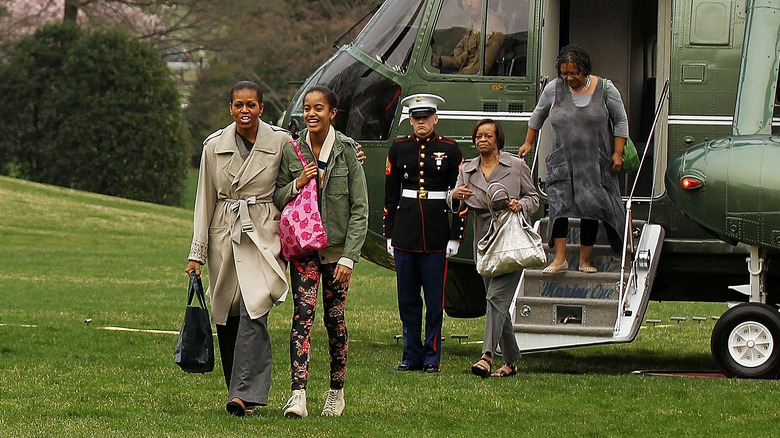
(422, 112)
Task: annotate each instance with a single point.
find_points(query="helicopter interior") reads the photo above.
(621, 38)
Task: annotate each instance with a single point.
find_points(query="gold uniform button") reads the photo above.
(422, 181)
(422, 155)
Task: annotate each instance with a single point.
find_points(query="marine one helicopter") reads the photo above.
(699, 81)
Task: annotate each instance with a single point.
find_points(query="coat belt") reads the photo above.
(423, 194)
(241, 206)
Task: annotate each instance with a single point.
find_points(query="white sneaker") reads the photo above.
(334, 403)
(296, 405)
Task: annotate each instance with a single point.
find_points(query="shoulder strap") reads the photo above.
(298, 151)
(604, 86)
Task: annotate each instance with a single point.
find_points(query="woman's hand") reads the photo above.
(617, 162)
(193, 266)
(462, 193)
(515, 205)
(309, 172)
(361, 156)
(524, 149)
(342, 274)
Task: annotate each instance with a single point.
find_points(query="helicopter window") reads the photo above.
(457, 44)
(389, 37)
(512, 56)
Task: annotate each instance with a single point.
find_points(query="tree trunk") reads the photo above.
(71, 10)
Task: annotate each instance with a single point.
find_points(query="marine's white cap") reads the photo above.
(422, 105)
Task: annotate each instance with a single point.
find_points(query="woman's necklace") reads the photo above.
(585, 87)
(487, 167)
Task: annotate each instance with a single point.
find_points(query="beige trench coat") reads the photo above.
(236, 224)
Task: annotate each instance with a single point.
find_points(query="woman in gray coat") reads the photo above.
(491, 166)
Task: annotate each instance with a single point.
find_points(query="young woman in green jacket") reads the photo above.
(343, 199)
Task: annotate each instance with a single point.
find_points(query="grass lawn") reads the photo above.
(67, 256)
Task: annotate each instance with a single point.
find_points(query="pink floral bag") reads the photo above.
(301, 227)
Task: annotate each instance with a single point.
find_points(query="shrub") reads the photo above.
(92, 111)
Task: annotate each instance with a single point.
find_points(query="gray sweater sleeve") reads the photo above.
(542, 109)
(617, 112)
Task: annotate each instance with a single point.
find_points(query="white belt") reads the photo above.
(423, 194)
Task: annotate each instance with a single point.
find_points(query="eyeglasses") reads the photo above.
(565, 74)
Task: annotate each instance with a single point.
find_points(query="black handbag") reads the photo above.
(195, 348)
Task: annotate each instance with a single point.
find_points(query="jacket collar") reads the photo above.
(338, 149)
(426, 140)
(241, 171)
(264, 142)
(504, 159)
(503, 168)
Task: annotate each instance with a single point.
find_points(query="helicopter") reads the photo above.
(699, 81)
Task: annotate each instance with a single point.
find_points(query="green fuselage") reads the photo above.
(637, 44)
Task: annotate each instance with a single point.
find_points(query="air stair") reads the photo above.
(575, 309)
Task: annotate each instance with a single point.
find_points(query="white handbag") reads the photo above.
(510, 243)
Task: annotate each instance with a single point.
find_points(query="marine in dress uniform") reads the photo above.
(420, 169)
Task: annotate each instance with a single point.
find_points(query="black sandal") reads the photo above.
(479, 370)
(502, 372)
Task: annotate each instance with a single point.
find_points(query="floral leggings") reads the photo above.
(305, 276)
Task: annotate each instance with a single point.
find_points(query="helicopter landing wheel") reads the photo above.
(745, 339)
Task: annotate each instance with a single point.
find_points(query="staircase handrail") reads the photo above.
(628, 240)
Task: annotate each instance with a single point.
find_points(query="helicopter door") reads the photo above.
(473, 42)
(621, 38)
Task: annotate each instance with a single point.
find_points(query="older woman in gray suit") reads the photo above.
(495, 165)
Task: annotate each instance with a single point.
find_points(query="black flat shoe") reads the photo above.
(431, 369)
(236, 407)
(406, 367)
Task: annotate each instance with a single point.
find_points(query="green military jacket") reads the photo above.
(343, 194)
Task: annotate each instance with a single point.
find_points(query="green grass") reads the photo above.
(67, 256)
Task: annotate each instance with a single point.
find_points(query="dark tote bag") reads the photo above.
(195, 348)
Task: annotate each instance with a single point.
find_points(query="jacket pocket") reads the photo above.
(296, 168)
(556, 174)
(338, 182)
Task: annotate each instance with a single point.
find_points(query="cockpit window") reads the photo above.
(512, 57)
(389, 37)
(457, 45)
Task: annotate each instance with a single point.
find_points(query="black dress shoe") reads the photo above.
(406, 367)
(431, 369)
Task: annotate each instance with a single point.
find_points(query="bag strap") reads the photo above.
(491, 198)
(196, 288)
(298, 151)
(606, 96)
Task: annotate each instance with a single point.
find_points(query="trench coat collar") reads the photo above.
(501, 170)
(240, 171)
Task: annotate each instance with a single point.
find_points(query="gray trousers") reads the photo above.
(498, 324)
(245, 348)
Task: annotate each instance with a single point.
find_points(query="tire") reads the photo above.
(745, 341)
